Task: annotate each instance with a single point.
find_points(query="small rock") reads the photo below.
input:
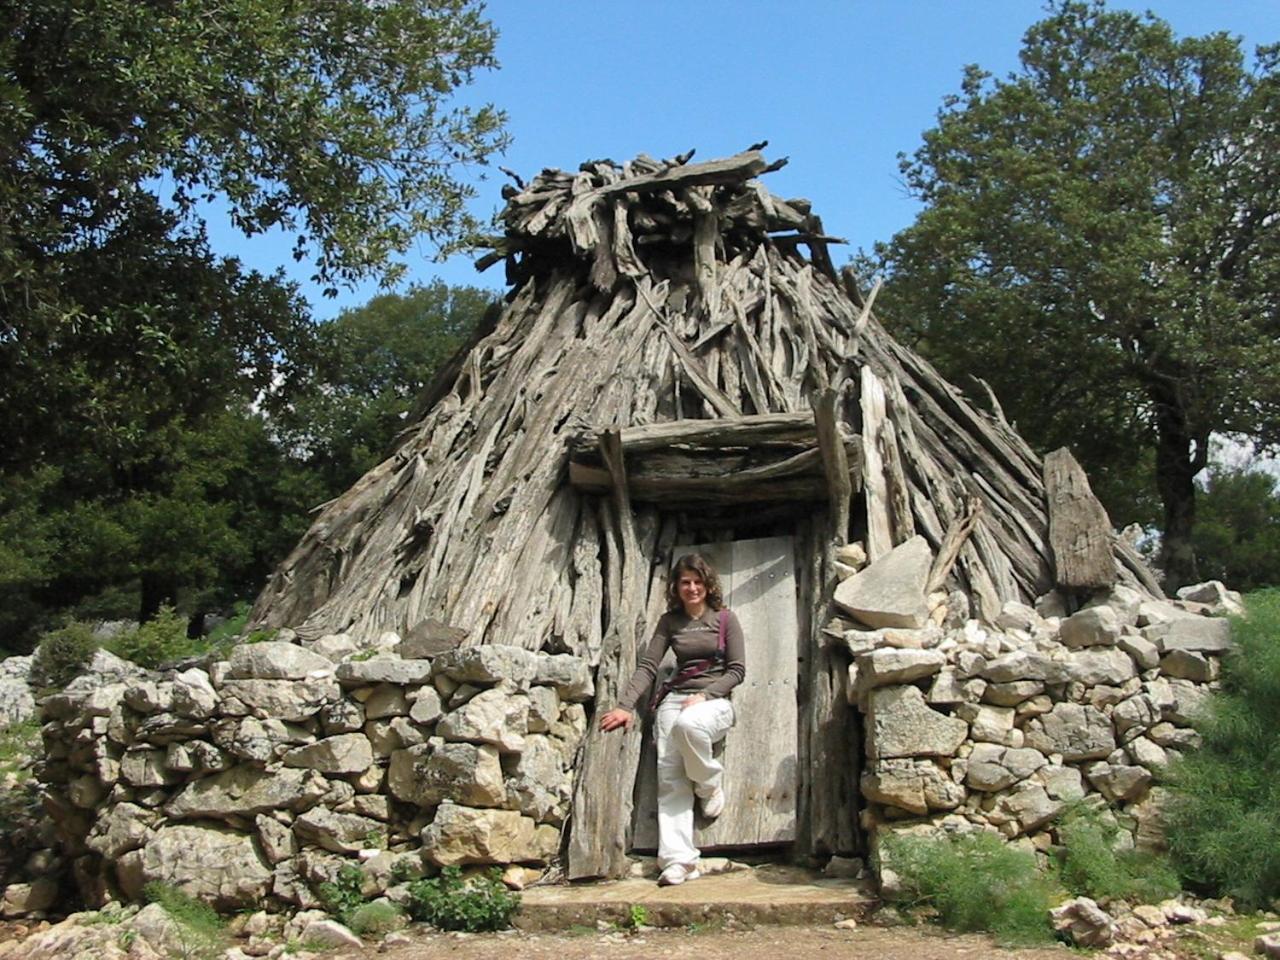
(329, 933)
(847, 924)
(1084, 922)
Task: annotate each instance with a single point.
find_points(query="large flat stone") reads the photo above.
(289, 700)
(245, 791)
(219, 866)
(275, 661)
(890, 592)
(901, 724)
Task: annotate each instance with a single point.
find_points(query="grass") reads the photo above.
(19, 743)
(1224, 818)
(201, 931)
(975, 882)
(1089, 864)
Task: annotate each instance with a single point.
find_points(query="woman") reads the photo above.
(693, 712)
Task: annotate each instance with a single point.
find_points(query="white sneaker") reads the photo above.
(678, 873)
(713, 805)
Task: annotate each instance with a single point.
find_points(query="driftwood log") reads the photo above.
(669, 368)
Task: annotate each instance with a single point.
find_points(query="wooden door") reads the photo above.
(759, 753)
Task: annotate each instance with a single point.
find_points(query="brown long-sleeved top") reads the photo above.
(691, 639)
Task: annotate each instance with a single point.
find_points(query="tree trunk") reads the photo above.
(157, 590)
(1180, 455)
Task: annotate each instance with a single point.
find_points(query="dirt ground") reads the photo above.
(761, 943)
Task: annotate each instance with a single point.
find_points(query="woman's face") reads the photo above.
(690, 587)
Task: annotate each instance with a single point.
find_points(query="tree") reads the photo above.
(1101, 241)
(371, 365)
(123, 340)
(1237, 531)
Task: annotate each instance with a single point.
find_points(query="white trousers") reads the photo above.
(686, 766)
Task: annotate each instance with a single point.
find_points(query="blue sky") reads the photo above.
(839, 87)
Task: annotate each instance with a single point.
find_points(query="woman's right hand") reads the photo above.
(617, 717)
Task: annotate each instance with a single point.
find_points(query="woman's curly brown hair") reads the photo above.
(694, 563)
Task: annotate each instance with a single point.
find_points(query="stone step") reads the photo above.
(772, 894)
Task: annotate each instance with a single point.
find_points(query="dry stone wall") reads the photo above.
(254, 779)
(1002, 726)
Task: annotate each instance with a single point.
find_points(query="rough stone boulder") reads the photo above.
(460, 835)
(345, 753)
(901, 724)
(384, 670)
(490, 663)
(244, 791)
(1191, 634)
(538, 784)
(570, 675)
(890, 592)
(917, 786)
(1077, 731)
(1093, 627)
(219, 866)
(499, 716)
(436, 771)
(288, 700)
(275, 661)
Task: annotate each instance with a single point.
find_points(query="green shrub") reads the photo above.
(974, 882)
(62, 654)
(1224, 814)
(225, 633)
(156, 642)
(200, 928)
(344, 895)
(376, 919)
(1089, 864)
(449, 903)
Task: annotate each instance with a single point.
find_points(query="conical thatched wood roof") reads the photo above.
(651, 293)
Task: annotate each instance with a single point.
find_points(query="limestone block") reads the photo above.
(1192, 634)
(148, 696)
(196, 756)
(386, 700)
(1099, 665)
(1082, 922)
(1187, 665)
(258, 741)
(1147, 753)
(26, 899)
(276, 661)
(341, 716)
(1220, 600)
(287, 700)
(461, 834)
(146, 768)
(544, 708)
(123, 827)
(427, 709)
(334, 647)
(1012, 693)
(901, 724)
(1061, 783)
(193, 694)
(538, 785)
(986, 723)
(1076, 731)
(886, 666)
(277, 839)
(1031, 806)
(214, 864)
(245, 791)
(337, 832)
(1092, 627)
(891, 591)
(1022, 665)
(498, 716)
(431, 638)
(1138, 712)
(1170, 736)
(438, 771)
(345, 753)
(489, 663)
(1145, 654)
(1118, 782)
(1187, 701)
(383, 670)
(570, 675)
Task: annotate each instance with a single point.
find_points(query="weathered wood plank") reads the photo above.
(874, 489)
(835, 462)
(1079, 528)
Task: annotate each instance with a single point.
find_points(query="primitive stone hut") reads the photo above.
(677, 364)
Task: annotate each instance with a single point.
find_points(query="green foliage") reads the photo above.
(226, 633)
(201, 930)
(637, 916)
(62, 654)
(449, 903)
(157, 642)
(1237, 529)
(1090, 865)
(19, 743)
(376, 919)
(343, 895)
(1100, 241)
(974, 882)
(1224, 819)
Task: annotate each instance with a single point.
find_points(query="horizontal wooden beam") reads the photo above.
(743, 431)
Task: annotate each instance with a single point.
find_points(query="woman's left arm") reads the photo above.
(735, 660)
